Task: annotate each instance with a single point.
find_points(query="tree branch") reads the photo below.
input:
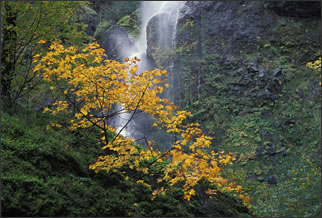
(137, 106)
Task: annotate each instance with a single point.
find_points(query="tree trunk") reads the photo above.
(8, 51)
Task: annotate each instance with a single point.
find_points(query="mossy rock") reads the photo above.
(101, 28)
(131, 24)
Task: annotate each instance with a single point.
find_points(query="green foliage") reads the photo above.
(101, 28)
(87, 9)
(295, 194)
(268, 139)
(119, 9)
(26, 26)
(131, 24)
(45, 173)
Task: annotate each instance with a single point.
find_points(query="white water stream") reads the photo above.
(166, 36)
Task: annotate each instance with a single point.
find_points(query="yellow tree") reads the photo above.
(315, 66)
(91, 87)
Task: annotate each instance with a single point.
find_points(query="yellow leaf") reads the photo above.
(199, 151)
(113, 76)
(134, 69)
(192, 192)
(187, 197)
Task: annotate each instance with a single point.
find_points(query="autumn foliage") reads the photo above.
(315, 66)
(89, 87)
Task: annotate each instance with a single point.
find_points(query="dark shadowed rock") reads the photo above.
(261, 71)
(91, 21)
(314, 89)
(116, 43)
(159, 33)
(277, 72)
(270, 180)
(296, 8)
(252, 69)
(272, 149)
(88, 16)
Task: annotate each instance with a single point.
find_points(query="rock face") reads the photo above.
(208, 29)
(239, 66)
(89, 17)
(160, 34)
(91, 21)
(153, 35)
(297, 9)
(116, 43)
(238, 63)
(226, 20)
(216, 39)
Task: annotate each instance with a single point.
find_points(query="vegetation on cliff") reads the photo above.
(252, 83)
(46, 161)
(45, 173)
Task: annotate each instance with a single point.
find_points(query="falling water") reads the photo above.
(166, 38)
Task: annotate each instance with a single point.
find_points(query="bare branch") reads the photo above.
(137, 106)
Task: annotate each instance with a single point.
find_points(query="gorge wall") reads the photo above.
(239, 67)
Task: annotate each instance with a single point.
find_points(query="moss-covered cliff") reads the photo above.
(240, 67)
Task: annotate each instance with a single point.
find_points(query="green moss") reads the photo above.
(131, 24)
(87, 9)
(101, 28)
(268, 137)
(45, 173)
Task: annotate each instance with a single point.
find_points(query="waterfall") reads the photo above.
(166, 38)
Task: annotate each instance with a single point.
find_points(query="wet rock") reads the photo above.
(159, 33)
(270, 180)
(283, 151)
(252, 69)
(259, 152)
(262, 83)
(260, 178)
(228, 63)
(235, 87)
(266, 95)
(314, 89)
(272, 149)
(277, 72)
(190, 10)
(316, 158)
(296, 8)
(222, 19)
(274, 86)
(265, 134)
(88, 16)
(267, 115)
(48, 100)
(290, 123)
(116, 43)
(300, 93)
(253, 176)
(237, 72)
(261, 73)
